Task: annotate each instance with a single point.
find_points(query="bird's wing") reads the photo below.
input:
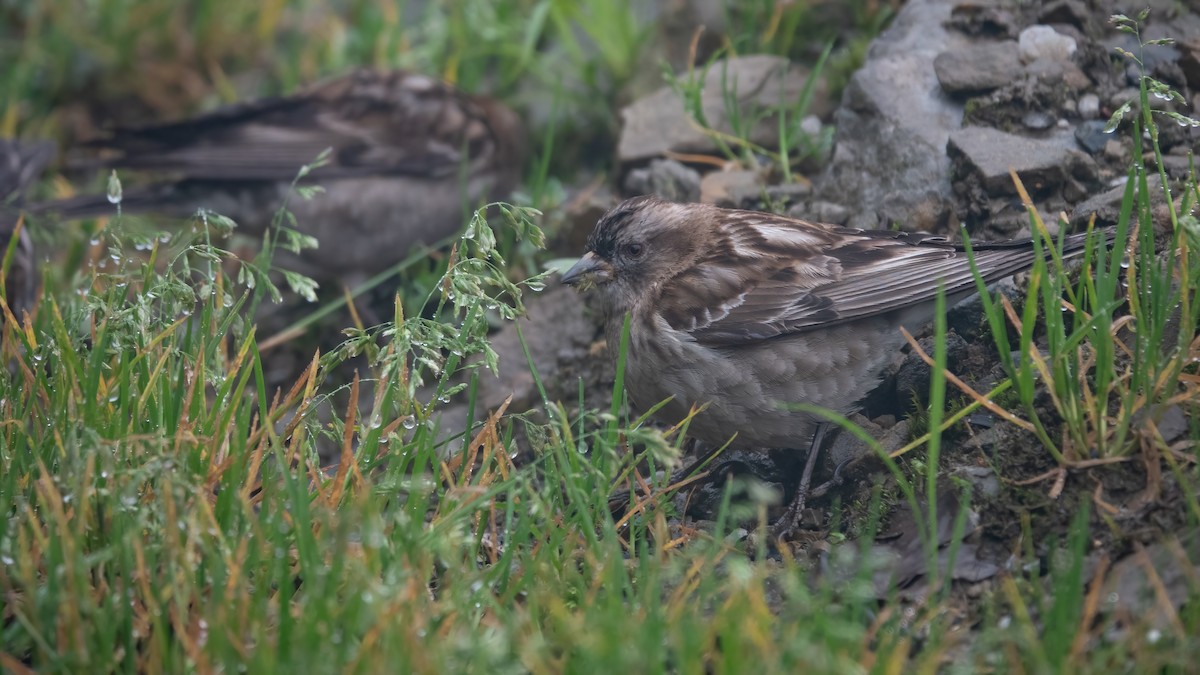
(21, 164)
(776, 276)
(375, 123)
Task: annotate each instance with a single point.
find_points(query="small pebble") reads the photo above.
(1091, 136)
(1115, 151)
(811, 125)
(1122, 97)
(789, 193)
(1088, 106)
(822, 212)
(1037, 120)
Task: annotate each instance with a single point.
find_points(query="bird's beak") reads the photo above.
(590, 269)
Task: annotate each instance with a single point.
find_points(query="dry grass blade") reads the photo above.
(487, 439)
(966, 388)
(1087, 617)
(1161, 596)
(347, 458)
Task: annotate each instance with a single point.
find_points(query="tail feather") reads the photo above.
(151, 198)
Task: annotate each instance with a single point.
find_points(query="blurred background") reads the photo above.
(72, 68)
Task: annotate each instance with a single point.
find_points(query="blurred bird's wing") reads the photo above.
(374, 123)
(777, 276)
(21, 163)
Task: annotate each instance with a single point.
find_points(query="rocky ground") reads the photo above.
(952, 97)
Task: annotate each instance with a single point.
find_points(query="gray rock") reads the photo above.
(666, 178)
(1008, 222)
(978, 68)
(752, 472)
(912, 380)
(982, 478)
(1152, 585)
(1123, 96)
(1043, 42)
(1072, 12)
(1106, 206)
(821, 212)
(1074, 191)
(584, 207)
(989, 154)
(1116, 151)
(966, 319)
(1189, 63)
(1169, 421)
(730, 188)
(811, 125)
(907, 560)
(1153, 56)
(984, 19)
(556, 322)
(988, 441)
(890, 160)
(1176, 166)
(847, 447)
(658, 123)
(674, 25)
(1091, 135)
(1066, 72)
(788, 193)
(1038, 120)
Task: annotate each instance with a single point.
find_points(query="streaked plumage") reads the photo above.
(748, 311)
(410, 156)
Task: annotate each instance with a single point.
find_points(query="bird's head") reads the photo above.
(638, 245)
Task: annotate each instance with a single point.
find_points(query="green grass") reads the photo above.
(1104, 382)
(164, 509)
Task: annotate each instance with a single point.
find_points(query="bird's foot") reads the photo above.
(790, 521)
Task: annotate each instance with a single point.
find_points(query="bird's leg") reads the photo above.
(836, 480)
(791, 518)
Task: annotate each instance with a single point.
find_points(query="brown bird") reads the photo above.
(21, 163)
(747, 312)
(410, 157)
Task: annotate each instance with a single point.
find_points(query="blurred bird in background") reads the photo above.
(744, 314)
(21, 163)
(410, 157)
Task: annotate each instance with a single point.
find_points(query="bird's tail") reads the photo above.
(1012, 256)
(151, 198)
(1074, 244)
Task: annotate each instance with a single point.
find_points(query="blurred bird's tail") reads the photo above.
(139, 200)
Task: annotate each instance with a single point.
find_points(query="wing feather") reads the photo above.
(774, 276)
(375, 123)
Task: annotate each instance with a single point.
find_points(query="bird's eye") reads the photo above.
(633, 250)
